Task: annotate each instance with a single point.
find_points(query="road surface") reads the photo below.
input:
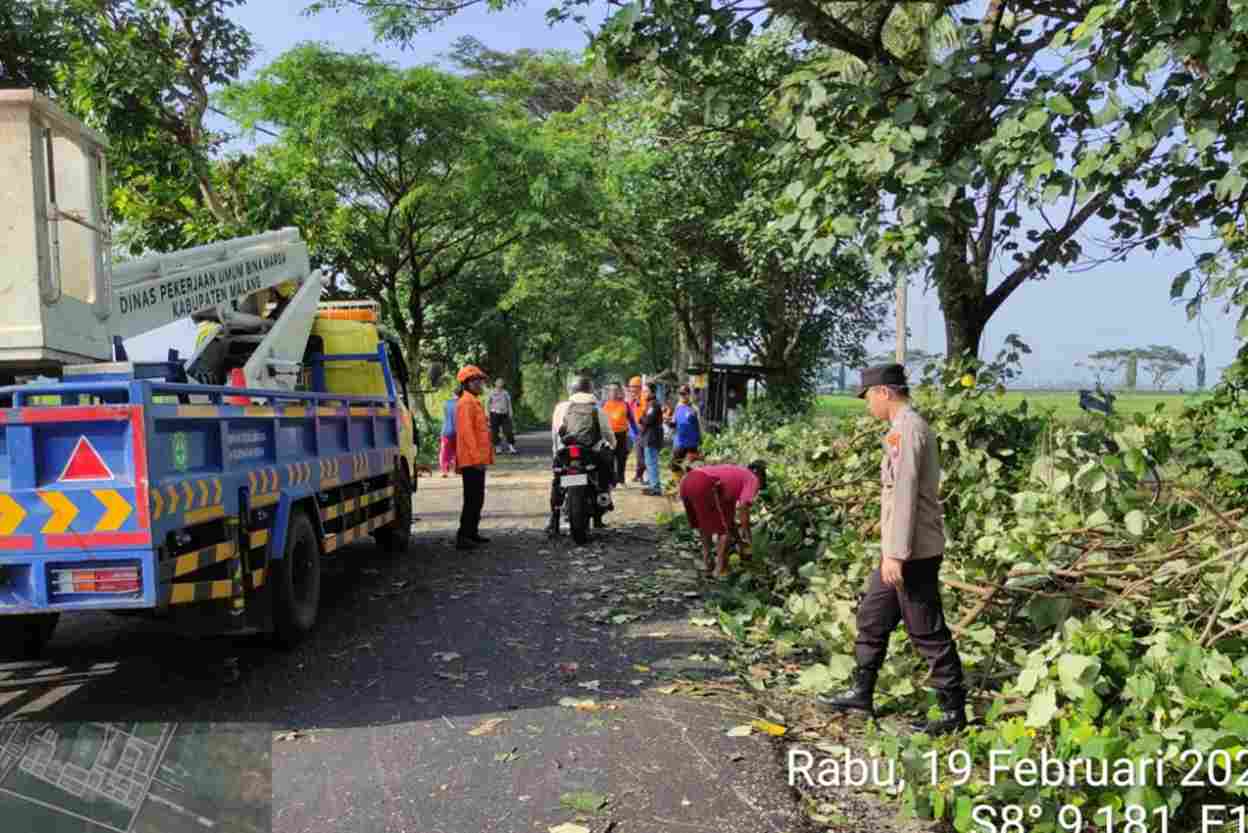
(518, 687)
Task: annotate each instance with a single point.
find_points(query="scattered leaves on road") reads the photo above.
(447, 656)
(742, 731)
(774, 729)
(487, 727)
(583, 801)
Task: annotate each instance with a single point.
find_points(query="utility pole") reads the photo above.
(901, 319)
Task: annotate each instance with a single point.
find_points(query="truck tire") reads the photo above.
(397, 535)
(578, 513)
(297, 582)
(24, 637)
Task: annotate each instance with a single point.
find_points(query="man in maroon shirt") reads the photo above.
(717, 502)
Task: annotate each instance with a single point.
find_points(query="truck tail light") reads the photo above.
(107, 580)
(574, 451)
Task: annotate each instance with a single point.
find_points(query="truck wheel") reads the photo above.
(24, 637)
(578, 513)
(397, 535)
(297, 582)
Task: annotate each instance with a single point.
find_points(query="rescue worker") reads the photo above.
(717, 502)
(582, 395)
(473, 453)
(623, 426)
(906, 586)
(637, 402)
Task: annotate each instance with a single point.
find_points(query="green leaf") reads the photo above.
(962, 820)
(807, 127)
(583, 801)
(816, 678)
(1141, 687)
(1231, 186)
(844, 226)
(1204, 138)
(1135, 521)
(1035, 120)
(1077, 673)
(1061, 104)
(1229, 460)
(904, 114)
(1043, 708)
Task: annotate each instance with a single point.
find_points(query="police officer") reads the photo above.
(906, 587)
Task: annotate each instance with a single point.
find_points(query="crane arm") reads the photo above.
(151, 292)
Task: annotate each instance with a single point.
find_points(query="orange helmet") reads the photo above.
(468, 373)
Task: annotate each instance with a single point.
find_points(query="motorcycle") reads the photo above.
(582, 488)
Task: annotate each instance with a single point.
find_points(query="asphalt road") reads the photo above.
(429, 698)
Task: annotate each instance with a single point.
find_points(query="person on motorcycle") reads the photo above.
(580, 414)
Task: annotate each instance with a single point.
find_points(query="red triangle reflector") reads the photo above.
(86, 463)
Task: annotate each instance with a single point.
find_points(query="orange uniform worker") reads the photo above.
(637, 403)
(623, 425)
(473, 452)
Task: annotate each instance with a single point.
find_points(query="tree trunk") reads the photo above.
(502, 357)
(962, 289)
(415, 354)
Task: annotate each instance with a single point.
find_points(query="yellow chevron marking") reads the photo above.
(295, 411)
(223, 589)
(265, 500)
(273, 479)
(63, 512)
(198, 411)
(207, 513)
(158, 504)
(361, 411)
(290, 472)
(251, 481)
(190, 562)
(327, 412)
(182, 593)
(189, 491)
(348, 505)
(11, 514)
(116, 509)
(257, 577)
(216, 490)
(330, 512)
(172, 491)
(257, 539)
(203, 492)
(258, 411)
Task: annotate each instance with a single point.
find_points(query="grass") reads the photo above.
(1064, 403)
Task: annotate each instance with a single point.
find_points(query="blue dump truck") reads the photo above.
(214, 506)
(208, 490)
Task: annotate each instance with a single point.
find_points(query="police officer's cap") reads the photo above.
(882, 374)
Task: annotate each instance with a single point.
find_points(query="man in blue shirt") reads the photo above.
(688, 435)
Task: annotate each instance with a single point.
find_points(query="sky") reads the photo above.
(1062, 318)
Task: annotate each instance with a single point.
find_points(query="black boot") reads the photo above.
(552, 528)
(463, 542)
(952, 714)
(859, 698)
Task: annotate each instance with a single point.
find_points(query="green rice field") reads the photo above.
(1064, 403)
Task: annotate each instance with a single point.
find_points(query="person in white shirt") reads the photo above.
(500, 419)
(582, 394)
